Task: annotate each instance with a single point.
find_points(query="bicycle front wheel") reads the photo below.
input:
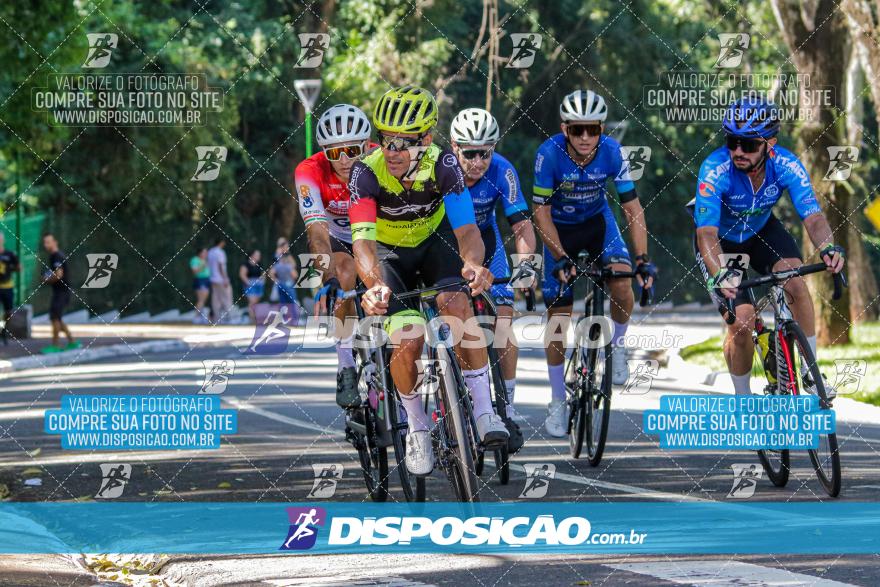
(808, 379)
(776, 463)
(373, 459)
(458, 428)
(576, 396)
(413, 487)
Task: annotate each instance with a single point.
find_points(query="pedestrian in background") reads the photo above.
(253, 278)
(58, 277)
(9, 264)
(284, 274)
(201, 283)
(221, 288)
(281, 248)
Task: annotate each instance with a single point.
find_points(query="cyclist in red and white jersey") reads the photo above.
(343, 133)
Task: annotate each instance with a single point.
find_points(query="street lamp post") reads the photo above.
(308, 90)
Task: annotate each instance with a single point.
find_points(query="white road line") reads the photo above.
(721, 573)
(346, 582)
(236, 403)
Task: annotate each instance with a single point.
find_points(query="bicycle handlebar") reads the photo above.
(727, 310)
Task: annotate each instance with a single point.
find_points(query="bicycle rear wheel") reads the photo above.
(826, 459)
(373, 459)
(413, 487)
(457, 421)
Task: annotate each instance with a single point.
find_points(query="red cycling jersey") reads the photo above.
(322, 196)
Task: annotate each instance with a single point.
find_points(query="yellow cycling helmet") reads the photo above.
(407, 109)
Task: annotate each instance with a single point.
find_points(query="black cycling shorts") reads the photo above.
(58, 303)
(771, 244)
(435, 261)
(6, 299)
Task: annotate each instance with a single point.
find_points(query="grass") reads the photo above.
(865, 345)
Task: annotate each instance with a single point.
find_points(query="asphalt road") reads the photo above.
(288, 422)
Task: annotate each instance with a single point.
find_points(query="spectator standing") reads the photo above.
(281, 248)
(201, 283)
(9, 264)
(58, 277)
(221, 288)
(284, 275)
(253, 278)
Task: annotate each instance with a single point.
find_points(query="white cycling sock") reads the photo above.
(415, 412)
(344, 354)
(619, 333)
(811, 340)
(477, 381)
(742, 384)
(557, 382)
(510, 384)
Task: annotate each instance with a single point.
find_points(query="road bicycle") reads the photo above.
(785, 359)
(588, 368)
(380, 421)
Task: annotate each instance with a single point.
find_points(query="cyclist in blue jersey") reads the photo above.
(572, 214)
(491, 178)
(737, 188)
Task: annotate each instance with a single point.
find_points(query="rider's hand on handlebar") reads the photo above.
(375, 300)
(727, 292)
(564, 269)
(326, 297)
(646, 273)
(834, 257)
(479, 278)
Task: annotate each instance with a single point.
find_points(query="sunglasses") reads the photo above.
(473, 153)
(747, 145)
(350, 151)
(578, 130)
(399, 143)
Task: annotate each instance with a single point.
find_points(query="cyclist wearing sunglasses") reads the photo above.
(572, 214)
(412, 218)
(738, 186)
(343, 133)
(491, 178)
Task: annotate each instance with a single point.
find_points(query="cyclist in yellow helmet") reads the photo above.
(412, 220)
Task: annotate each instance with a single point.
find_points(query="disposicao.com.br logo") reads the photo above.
(519, 531)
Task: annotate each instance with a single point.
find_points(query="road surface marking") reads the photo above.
(236, 403)
(722, 573)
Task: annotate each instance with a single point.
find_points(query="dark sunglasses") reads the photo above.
(578, 130)
(350, 151)
(399, 143)
(471, 154)
(747, 145)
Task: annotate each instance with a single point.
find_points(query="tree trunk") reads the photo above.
(818, 41)
(863, 27)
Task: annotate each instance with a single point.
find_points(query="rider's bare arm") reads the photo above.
(470, 244)
(638, 229)
(524, 237)
(710, 247)
(318, 235)
(367, 262)
(547, 230)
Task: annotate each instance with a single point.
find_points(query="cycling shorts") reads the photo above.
(599, 236)
(435, 261)
(340, 246)
(496, 262)
(771, 244)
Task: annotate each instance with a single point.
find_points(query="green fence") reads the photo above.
(28, 249)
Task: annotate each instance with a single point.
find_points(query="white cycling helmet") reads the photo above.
(583, 106)
(475, 126)
(343, 123)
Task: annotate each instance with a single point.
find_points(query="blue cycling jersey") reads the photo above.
(726, 199)
(500, 182)
(576, 194)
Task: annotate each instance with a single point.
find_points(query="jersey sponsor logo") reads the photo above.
(418, 209)
(305, 196)
(772, 191)
(706, 189)
(566, 186)
(449, 160)
(510, 176)
(597, 175)
(568, 209)
(539, 161)
(797, 169)
(737, 197)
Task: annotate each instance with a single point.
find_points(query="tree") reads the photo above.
(817, 38)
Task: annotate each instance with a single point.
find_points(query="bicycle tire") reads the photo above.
(465, 481)
(575, 395)
(374, 460)
(598, 393)
(499, 388)
(412, 491)
(827, 467)
(777, 472)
